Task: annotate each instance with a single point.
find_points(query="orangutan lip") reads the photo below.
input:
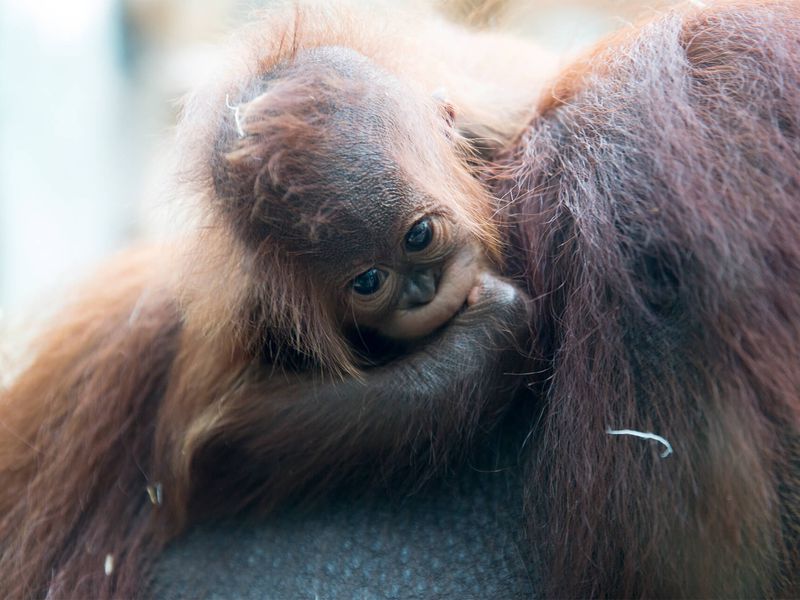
(456, 280)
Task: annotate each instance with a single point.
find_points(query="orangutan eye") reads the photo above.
(368, 282)
(419, 236)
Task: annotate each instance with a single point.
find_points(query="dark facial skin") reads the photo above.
(417, 288)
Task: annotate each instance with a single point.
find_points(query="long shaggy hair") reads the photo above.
(655, 210)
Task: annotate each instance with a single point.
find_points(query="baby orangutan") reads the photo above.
(318, 173)
(338, 320)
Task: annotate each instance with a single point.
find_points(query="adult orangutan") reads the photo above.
(653, 206)
(340, 320)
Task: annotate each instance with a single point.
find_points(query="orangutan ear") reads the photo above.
(447, 110)
(481, 140)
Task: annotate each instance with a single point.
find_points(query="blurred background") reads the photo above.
(88, 96)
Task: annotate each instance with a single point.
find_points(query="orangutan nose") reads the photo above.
(420, 288)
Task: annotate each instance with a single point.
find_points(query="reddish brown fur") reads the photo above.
(655, 206)
(651, 207)
(72, 454)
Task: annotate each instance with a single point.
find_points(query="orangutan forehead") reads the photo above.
(344, 193)
(358, 214)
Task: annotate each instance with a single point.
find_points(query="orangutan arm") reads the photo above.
(298, 433)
